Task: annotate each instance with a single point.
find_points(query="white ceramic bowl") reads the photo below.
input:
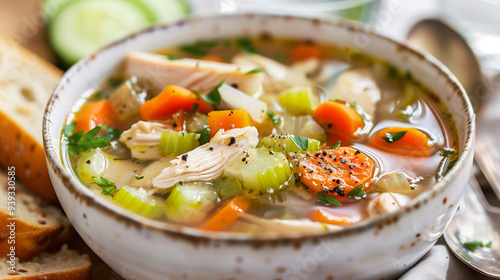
(140, 248)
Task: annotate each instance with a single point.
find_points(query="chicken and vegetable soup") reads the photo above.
(259, 134)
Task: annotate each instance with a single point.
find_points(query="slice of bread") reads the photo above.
(36, 226)
(26, 83)
(63, 265)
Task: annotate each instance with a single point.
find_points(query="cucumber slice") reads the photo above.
(283, 143)
(173, 143)
(189, 203)
(168, 10)
(267, 172)
(81, 27)
(140, 202)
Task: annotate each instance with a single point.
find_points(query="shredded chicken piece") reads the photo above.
(386, 202)
(143, 139)
(201, 75)
(278, 76)
(206, 163)
(296, 225)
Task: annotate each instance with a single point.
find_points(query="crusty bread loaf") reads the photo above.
(63, 265)
(26, 83)
(36, 226)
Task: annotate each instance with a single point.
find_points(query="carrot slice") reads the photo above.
(227, 119)
(413, 143)
(328, 217)
(336, 172)
(305, 51)
(227, 214)
(338, 119)
(214, 58)
(180, 120)
(95, 113)
(170, 100)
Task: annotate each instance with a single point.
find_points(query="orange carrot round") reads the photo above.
(403, 141)
(227, 214)
(170, 100)
(338, 119)
(336, 172)
(305, 51)
(326, 216)
(95, 113)
(227, 119)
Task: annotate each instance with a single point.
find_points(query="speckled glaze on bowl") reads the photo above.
(140, 248)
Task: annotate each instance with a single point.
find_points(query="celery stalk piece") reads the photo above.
(228, 187)
(267, 172)
(92, 164)
(393, 182)
(298, 100)
(284, 144)
(173, 143)
(190, 203)
(140, 202)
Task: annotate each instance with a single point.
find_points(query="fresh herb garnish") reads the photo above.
(304, 185)
(353, 105)
(173, 57)
(98, 96)
(198, 49)
(195, 107)
(213, 97)
(335, 146)
(412, 188)
(357, 192)
(308, 75)
(474, 245)
(327, 200)
(115, 82)
(139, 177)
(301, 142)
(204, 135)
(393, 137)
(447, 153)
(408, 76)
(254, 71)
(246, 45)
(274, 118)
(81, 142)
(108, 187)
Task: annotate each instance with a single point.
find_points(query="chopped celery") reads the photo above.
(228, 187)
(393, 182)
(267, 172)
(92, 164)
(189, 203)
(283, 143)
(298, 100)
(140, 202)
(302, 125)
(173, 143)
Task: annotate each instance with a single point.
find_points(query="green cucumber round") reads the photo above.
(168, 10)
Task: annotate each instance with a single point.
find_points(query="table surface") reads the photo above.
(20, 21)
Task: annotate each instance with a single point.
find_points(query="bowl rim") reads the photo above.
(195, 235)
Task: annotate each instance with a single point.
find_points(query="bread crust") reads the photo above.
(76, 274)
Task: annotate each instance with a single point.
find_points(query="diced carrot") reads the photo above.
(323, 215)
(227, 214)
(338, 119)
(214, 58)
(227, 119)
(413, 143)
(336, 172)
(180, 120)
(95, 113)
(170, 100)
(305, 51)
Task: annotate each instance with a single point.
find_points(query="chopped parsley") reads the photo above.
(474, 245)
(246, 45)
(357, 192)
(195, 107)
(327, 200)
(204, 135)
(139, 177)
(81, 142)
(304, 185)
(98, 96)
(275, 119)
(173, 57)
(213, 97)
(254, 71)
(301, 142)
(334, 146)
(452, 157)
(108, 187)
(447, 153)
(393, 137)
(198, 49)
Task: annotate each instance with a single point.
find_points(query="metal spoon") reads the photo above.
(476, 220)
